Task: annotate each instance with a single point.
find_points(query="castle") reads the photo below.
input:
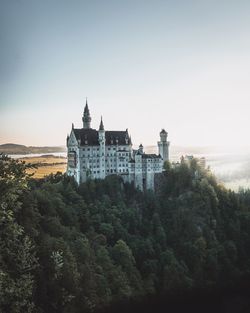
(95, 154)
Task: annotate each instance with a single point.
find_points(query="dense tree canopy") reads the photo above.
(68, 248)
(17, 259)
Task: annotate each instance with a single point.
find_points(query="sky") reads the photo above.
(182, 65)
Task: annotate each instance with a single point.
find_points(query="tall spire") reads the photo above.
(86, 109)
(86, 116)
(101, 127)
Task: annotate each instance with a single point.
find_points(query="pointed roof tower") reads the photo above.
(86, 109)
(86, 119)
(101, 127)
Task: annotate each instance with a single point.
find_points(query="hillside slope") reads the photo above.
(104, 243)
(11, 148)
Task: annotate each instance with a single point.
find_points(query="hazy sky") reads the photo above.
(144, 65)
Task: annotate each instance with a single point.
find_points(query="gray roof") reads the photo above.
(91, 136)
(150, 156)
(86, 109)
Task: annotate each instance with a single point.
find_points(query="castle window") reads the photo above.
(72, 159)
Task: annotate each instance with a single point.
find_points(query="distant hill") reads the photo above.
(11, 148)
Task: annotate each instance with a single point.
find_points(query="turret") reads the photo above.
(163, 135)
(163, 145)
(86, 118)
(101, 133)
(101, 139)
(141, 149)
(101, 127)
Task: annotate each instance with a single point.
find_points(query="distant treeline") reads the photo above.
(106, 246)
(40, 164)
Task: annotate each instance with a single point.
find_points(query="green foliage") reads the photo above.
(17, 259)
(104, 241)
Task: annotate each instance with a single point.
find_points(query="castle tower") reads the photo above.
(86, 118)
(163, 145)
(141, 148)
(101, 138)
(138, 171)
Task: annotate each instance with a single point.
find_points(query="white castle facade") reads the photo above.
(95, 154)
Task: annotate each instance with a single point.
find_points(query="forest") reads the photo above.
(104, 245)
